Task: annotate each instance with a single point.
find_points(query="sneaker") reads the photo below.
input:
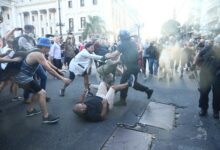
(62, 91)
(50, 119)
(131, 80)
(120, 103)
(149, 93)
(27, 101)
(203, 112)
(216, 114)
(17, 98)
(33, 112)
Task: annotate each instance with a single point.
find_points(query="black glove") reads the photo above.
(103, 59)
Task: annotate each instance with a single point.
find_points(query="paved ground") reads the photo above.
(190, 132)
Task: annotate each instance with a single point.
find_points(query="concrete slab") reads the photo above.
(159, 115)
(125, 139)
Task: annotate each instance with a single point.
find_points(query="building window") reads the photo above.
(71, 25)
(33, 18)
(41, 17)
(80, 38)
(70, 4)
(51, 30)
(82, 3)
(94, 2)
(83, 22)
(42, 31)
(8, 16)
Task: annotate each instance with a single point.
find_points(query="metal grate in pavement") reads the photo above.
(125, 139)
(159, 115)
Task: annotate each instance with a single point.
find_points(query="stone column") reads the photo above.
(30, 18)
(39, 23)
(22, 19)
(47, 22)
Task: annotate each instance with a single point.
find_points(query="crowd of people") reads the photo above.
(25, 60)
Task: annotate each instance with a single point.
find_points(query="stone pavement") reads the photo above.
(121, 130)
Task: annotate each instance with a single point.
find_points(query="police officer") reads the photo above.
(209, 61)
(129, 58)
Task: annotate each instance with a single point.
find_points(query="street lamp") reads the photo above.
(60, 23)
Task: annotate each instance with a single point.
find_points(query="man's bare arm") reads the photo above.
(104, 109)
(41, 60)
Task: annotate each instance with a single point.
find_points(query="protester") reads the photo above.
(209, 61)
(26, 81)
(95, 108)
(129, 58)
(81, 64)
(55, 53)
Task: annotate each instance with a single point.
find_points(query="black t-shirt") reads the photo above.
(94, 108)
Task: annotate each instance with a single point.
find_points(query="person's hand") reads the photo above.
(66, 81)
(107, 55)
(7, 52)
(59, 72)
(103, 59)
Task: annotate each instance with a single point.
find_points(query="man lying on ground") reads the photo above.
(95, 108)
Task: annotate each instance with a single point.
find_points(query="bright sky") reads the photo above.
(154, 13)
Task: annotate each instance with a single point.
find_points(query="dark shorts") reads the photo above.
(72, 75)
(32, 86)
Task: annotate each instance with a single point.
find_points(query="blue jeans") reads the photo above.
(153, 66)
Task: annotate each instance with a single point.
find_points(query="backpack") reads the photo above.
(16, 45)
(129, 55)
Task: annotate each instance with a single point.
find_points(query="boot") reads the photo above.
(203, 112)
(149, 93)
(216, 114)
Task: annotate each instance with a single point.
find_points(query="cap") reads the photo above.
(45, 42)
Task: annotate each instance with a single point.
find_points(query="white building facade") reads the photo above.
(44, 15)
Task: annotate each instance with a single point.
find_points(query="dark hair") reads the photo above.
(88, 44)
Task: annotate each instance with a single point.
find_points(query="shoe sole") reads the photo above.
(62, 93)
(33, 114)
(51, 122)
(150, 95)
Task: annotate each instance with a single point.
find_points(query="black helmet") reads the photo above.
(124, 35)
(217, 39)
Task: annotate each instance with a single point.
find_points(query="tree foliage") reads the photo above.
(94, 27)
(170, 27)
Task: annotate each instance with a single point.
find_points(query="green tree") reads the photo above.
(170, 27)
(94, 27)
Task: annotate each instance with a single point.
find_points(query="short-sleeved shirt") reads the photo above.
(94, 108)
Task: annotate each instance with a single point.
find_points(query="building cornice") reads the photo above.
(26, 4)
